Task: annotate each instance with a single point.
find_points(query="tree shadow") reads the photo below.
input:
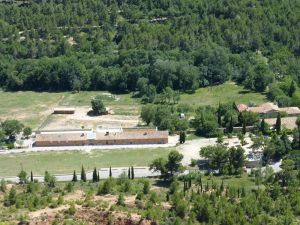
(162, 183)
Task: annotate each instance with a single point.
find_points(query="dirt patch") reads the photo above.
(77, 195)
(47, 212)
(81, 118)
(92, 216)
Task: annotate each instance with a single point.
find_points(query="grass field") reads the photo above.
(232, 181)
(29, 107)
(227, 92)
(66, 162)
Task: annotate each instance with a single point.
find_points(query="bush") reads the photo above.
(72, 210)
(121, 200)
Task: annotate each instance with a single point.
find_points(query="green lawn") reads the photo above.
(227, 92)
(66, 162)
(28, 107)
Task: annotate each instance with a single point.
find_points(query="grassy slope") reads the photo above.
(66, 162)
(227, 92)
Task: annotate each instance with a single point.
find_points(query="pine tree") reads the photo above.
(83, 174)
(98, 176)
(31, 176)
(132, 172)
(74, 179)
(129, 174)
(95, 178)
(278, 124)
(110, 173)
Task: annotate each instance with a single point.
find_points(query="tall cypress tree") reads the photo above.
(31, 176)
(74, 179)
(129, 174)
(83, 174)
(95, 178)
(278, 124)
(132, 172)
(110, 172)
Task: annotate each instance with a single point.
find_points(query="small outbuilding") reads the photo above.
(64, 110)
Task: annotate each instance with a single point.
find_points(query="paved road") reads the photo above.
(104, 173)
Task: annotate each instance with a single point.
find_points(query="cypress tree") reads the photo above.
(190, 181)
(31, 176)
(129, 174)
(222, 186)
(83, 174)
(110, 173)
(132, 172)
(95, 178)
(244, 128)
(74, 179)
(263, 126)
(201, 184)
(278, 124)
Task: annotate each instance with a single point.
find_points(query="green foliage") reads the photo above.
(97, 105)
(148, 113)
(11, 127)
(27, 131)
(121, 200)
(169, 167)
(83, 174)
(22, 177)
(106, 187)
(3, 186)
(205, 122)
(182, 137)
(74, 178)
(226, 161)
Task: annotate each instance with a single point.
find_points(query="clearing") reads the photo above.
(227, 92)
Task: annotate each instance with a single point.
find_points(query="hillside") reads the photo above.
(126, 45)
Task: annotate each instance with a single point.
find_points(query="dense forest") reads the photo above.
(127, 45)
